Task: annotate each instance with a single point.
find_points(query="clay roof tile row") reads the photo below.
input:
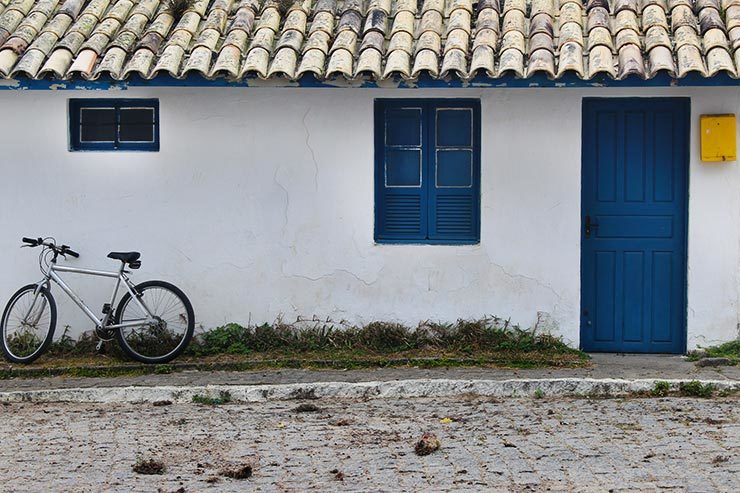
(373, 39)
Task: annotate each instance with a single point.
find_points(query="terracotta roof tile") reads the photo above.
(374, 39)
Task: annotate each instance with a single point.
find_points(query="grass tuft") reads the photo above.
(23, 343)
(661, 389)
(86, 343)
(224, 397)
(729, 350)
(163, 369)
(696, 389)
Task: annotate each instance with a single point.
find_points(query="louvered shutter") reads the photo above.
(401, 191)
(454, 173)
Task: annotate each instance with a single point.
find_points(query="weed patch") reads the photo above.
(224, 397)
(729, 350)
(661, 389)
(163, 369)
(86, 343)
(461, 337)
(23, 343)
(696, 389)
(322, 344)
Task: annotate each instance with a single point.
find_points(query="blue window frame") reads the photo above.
(427, 171)
(114, 124)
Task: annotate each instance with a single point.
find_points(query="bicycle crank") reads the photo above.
(105, 334)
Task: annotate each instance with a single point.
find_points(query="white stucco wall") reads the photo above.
(260, 204)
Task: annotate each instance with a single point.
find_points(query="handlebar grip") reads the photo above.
(30, 241)
(73, 253)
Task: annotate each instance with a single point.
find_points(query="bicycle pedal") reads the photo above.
(99, 346)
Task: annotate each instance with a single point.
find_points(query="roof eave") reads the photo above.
(309, 81)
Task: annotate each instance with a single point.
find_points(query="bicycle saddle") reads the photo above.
(127, 257)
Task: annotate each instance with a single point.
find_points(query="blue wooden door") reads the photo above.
(633, 230)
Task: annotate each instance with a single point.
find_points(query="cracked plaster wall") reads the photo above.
(260, 204)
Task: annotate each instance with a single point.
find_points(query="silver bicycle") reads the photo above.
(153, 323)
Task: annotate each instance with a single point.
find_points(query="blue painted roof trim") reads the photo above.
(539, 80)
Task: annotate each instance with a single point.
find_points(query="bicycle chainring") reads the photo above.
(105, 334)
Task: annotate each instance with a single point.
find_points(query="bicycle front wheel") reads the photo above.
(28, 324)
(165, 340)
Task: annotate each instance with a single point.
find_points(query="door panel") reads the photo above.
(633, 243)
(604, 310)
(634, 295)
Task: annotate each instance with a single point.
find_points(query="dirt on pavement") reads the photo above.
(667, 444)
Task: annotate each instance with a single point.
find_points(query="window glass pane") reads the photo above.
(136, 125)
(454, 168)
(97, 125)
(402, 168)
(403, 127)
(454, 127)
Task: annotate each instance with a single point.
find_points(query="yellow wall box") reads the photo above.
(718, 138)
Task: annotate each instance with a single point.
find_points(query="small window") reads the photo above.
(114, 124)
(427, 171)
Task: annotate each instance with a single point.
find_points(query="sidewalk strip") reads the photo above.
(364, 390)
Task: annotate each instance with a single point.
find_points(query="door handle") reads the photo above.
(589, 226)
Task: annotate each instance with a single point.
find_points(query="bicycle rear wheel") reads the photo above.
(28, 324)
(165, 340)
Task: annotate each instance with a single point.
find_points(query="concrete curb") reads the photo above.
(363, 390)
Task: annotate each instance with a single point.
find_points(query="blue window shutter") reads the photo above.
(454, 174)
(400, 171)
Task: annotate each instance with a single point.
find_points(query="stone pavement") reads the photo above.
(667, 444)
(603, 366)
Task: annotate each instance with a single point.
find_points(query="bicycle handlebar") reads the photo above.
(62, 250)
(66, 251)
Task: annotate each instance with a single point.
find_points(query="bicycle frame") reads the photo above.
(100, 323)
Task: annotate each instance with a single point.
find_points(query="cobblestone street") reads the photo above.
(670, 444)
